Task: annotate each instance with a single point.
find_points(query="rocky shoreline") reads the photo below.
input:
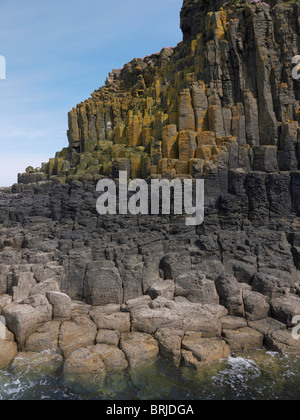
(168, 297)
(97, 294)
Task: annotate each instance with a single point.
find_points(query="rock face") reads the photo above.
(221, 106)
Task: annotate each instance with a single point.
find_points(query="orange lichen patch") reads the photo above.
(206, 138)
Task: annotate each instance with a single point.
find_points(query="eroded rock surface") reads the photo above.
(96, 288)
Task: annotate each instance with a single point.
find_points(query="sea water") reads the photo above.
(251, 376)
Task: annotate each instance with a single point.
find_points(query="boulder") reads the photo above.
(271, 285)
(23, 283)
(119, 321)
(169, 341)
(109, 337)
(138, 303)
(84, 361)
(149, 320)
(78, 334)
(139, 348)
(8, 351)
(61, 304)
(231, 295)
(23, 320)
(196, 288)
(49, 285)
(44, 339)
(80, 308)
(4, 301)
(102, 285)
(256, 306)
(175, 264)
(113, 358)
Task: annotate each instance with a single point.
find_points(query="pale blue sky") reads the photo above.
(57, 54)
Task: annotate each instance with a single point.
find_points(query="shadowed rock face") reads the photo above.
(194, 13)
(221, 106)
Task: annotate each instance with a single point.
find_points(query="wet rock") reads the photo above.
(113, 358)
(8, 351)
(84, 362)
(139, 348)
(46, 363)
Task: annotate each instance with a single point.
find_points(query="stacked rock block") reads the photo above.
(225, 94)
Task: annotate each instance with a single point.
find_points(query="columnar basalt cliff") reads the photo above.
(221, 106)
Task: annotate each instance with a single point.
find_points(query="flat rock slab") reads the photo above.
(139, 348)
(267, 326)
(243, 339)
(119, 321)
(233, 323)
(205, 350)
